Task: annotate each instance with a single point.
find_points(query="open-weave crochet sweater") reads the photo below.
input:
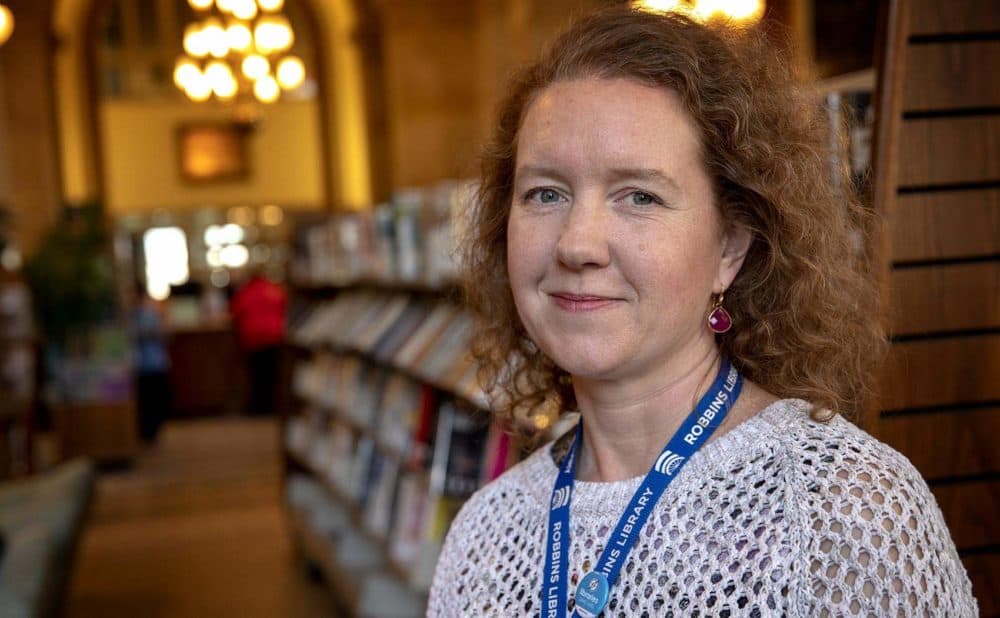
(781, 516)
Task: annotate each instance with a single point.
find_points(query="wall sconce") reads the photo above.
(6, 24)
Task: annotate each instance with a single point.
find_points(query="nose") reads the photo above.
(583, 241)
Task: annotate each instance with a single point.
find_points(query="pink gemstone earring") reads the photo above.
(719, 320)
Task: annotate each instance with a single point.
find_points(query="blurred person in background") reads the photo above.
(152, 365)
(258, 310)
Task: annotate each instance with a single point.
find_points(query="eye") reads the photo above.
(641, 198)
(543, 196)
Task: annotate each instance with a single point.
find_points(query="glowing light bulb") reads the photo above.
(195, 43)
(217, 70)
(215, 37)
(199, 88)
(271, 5)
(6, 24)
(255, 66)
(238, 36)
(221, 77)
(273, 34)
(185, 70)
(291, 72)
(244, 9)
(266, 89)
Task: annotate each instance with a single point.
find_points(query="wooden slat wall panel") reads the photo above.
(952, 76)
(953, 16)
(936, 170)
(946, 225)
(947, 444)
(971, 511)
(984, 571)
(942, 372)
(944, 298)
(949, 150)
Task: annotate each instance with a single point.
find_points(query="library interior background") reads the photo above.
(234, 377)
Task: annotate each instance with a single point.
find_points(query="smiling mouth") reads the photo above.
(578, 303)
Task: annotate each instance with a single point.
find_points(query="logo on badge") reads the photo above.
(560, 498)
(668, 462)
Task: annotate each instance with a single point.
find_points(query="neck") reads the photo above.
(626, 428)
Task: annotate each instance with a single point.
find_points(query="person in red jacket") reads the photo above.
(258, 311)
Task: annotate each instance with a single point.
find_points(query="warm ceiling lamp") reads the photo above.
(742, 11)
(6, 24)
(238, 46)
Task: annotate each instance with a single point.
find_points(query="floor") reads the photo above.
(195, 528)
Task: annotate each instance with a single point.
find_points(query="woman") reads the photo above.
(660, 243)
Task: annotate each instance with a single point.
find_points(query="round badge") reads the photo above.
(592, 594)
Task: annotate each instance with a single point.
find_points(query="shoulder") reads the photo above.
(871, 534)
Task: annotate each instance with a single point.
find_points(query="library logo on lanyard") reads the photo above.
(593, 592)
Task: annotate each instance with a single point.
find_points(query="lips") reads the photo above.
(581, 302)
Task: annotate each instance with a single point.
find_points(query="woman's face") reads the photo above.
(614, 244)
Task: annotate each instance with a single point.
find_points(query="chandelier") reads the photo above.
(238, 47)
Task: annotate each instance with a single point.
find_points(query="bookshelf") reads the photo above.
(388, 431)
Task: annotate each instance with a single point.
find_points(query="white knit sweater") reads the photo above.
(781, 516)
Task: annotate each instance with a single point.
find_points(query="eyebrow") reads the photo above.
(646, 174)
(539, 170)
(614, 175)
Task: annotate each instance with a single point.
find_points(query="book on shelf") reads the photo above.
(498, 454)
(458, 451)
(393, 308)
(410, 519)
(408, 234)
(381, 493)
(401, 407)
(422, 443)
(400, 331)
(364, 456)
(424, 336)
(384, 242)
(361, 309)
(342, 443)
(368, 391)
(449, 349)
(852, 113)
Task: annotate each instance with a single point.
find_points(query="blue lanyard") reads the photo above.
(593, 591)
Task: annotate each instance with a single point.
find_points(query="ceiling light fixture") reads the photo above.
(233, 48)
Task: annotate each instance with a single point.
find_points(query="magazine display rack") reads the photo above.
(391, 440)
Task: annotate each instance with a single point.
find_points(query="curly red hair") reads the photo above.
(805, 305)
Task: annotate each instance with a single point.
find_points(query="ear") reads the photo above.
(735, 245)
